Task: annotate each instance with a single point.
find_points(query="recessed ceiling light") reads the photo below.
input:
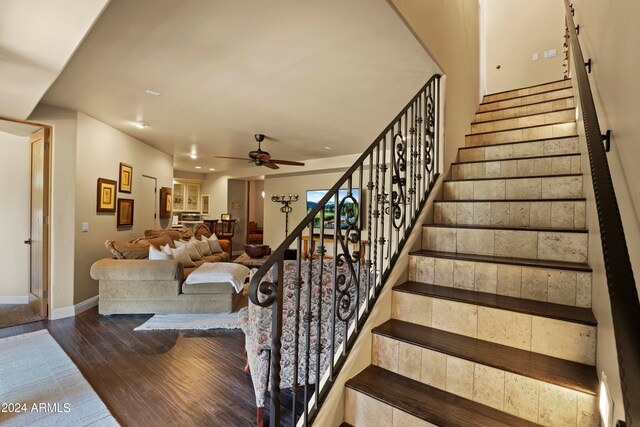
(211, 169)
(327, 148)
(152, 92)
(198, 167)
(140, 125)
(193, 156)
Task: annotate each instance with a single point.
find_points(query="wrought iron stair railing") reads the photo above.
(319, 299)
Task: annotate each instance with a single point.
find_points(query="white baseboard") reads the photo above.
(72, 310)
(62, 312)
(23, 299)
(86, 304)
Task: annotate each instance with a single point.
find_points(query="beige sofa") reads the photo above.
(142, 286)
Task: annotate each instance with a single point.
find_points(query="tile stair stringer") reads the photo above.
(542, 213)
(523, 278)
(546, 283)
(560, 164)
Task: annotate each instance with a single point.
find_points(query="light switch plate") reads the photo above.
(85, 227)
(552, 53)
(535, 56)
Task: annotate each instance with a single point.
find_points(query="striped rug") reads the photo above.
(40, 386)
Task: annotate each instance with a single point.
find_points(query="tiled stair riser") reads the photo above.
(548, 147)
(361, 410)
(527, 91)
(525, 121)
(528, 398)
(525, 100)
(526, 134)
(560, 214)
(561, 187)
(525, 110)
(556, 338)
(530, 244)
(540, 284)
(558, 165)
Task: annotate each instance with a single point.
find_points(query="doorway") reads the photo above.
(146, 212)
(24, 176)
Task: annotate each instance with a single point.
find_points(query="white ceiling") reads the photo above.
(37, 38)
(308, 74)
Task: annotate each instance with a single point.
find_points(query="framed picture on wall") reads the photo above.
(204, 204)
(165, 202)
(106, 196)
(126, 177)
(125, 213)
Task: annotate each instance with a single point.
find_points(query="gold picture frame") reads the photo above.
(125, 213)
(165, 202)
(106, 195)
(126, 178)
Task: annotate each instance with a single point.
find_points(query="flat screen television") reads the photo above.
(348, 208)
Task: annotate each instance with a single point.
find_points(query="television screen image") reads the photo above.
(349, 209)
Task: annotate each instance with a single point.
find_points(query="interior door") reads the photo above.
(146, 207)
(39, 239)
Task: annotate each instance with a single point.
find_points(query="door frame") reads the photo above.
(47, 200)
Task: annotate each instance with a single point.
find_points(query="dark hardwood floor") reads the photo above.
(158, 377)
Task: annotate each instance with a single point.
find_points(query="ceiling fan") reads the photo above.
(263, 158)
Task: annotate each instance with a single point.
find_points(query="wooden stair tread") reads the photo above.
(536, 308)
(518, 142)
(520, 96)
(516, 158)
(564, 175)
(559, 265)
(564, 373)
(500, 227)
(428, 403)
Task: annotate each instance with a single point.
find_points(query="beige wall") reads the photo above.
(14, 211)
(101, 148)
(608, 34)
(63, 180)
(237, 191)
(514, 30)
(256, 202)
(449, 30)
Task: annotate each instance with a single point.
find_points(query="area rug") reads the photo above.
(180, 322)
(41, 386)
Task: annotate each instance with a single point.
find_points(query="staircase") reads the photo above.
(494, 326)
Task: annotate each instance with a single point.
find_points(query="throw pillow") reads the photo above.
(201, 230)
(167, 249)
(214, 244)
(192, 249)
(158, 255)
(126, 250)
(202, 245)
(180, 254)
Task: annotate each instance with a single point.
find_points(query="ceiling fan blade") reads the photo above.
(287, 162)
(264, 156)
(234, 158)
(270, 165)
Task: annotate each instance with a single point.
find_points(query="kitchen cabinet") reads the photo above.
(186, 196)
